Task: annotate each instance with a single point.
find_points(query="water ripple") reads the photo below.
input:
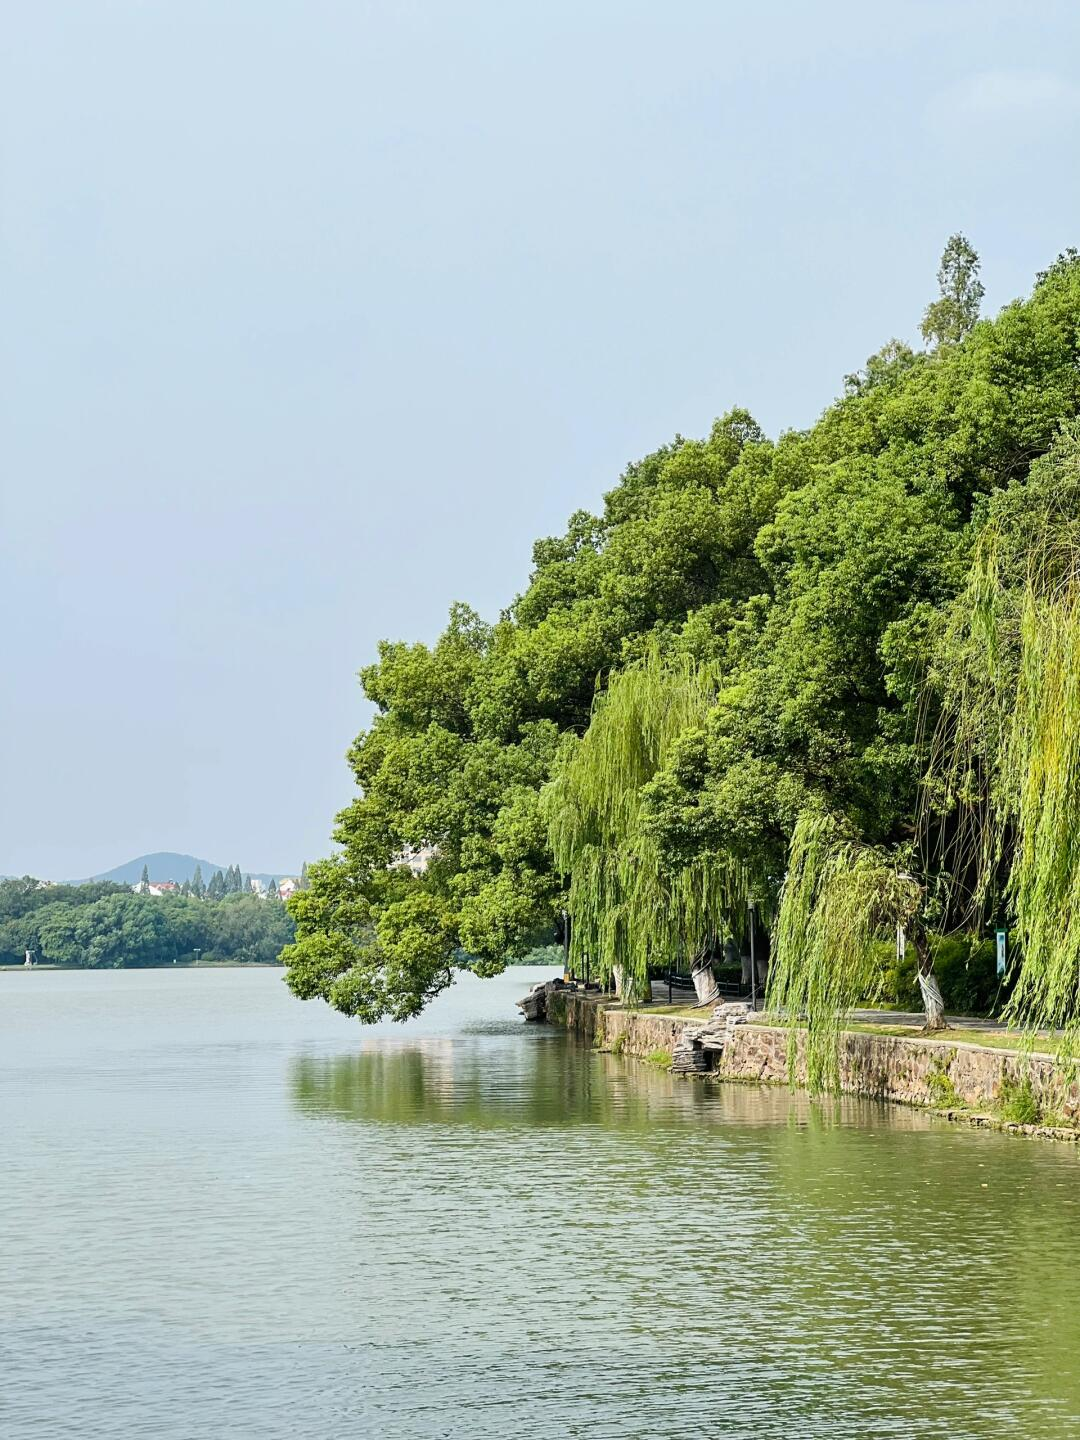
(227, 1214)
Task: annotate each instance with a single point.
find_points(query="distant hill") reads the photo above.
(167, 865)
(162, 865)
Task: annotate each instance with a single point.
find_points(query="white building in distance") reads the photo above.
(416, 858)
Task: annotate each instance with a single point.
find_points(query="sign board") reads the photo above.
(1000, 937)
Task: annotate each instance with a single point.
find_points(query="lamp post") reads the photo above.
(753, 963)
(198, 952)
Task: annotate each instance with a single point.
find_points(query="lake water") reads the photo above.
(224, 1213)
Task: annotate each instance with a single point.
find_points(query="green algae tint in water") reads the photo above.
(228, 1214)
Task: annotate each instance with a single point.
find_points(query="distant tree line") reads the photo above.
(103, 925)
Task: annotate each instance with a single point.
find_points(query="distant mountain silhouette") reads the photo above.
(167, 865)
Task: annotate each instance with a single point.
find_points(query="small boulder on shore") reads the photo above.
(534, 1005)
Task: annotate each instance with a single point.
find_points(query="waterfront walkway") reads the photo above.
(906, 1019)
(916, 1019)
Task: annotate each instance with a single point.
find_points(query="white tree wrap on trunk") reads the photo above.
(631, 989)
(933, 1004)
(705, 985)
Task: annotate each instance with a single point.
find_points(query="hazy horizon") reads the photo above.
(316, 316)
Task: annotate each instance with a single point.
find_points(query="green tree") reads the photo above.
(1000, 826)
(953, 315)
(198, 889)
(120, 930)
(870, 543)
(815, 574)
(26, 902)
(629, 910)
(247, 930)
(467, 731)
(144, 878)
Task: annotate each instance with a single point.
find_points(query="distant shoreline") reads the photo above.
(21, 969)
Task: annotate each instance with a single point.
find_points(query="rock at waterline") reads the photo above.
(534, 1005)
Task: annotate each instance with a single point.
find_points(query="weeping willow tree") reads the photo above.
(1003, 796)
(838, 897)
(630, 908)
(999, 814)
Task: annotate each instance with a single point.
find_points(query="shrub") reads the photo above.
(967, 973)
(1019, 1103)
(899, 985)
(966, 968)
(939, 1082)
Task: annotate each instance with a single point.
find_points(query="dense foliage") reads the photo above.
(838, 895)
(106, 925)
(632, 912)
(814, 579)
(1004, 779)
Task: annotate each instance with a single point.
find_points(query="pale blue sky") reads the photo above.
(314, 314)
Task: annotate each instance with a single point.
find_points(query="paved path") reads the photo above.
(917, 1019)
(913, 1018)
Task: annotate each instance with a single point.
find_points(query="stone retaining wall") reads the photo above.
(634, 1032)
(917, 1070)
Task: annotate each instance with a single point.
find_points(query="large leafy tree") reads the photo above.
(815, 574)
(467, 730)
(866, 552)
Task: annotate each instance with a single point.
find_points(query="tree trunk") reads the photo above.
(933, 1004)
(929, 988)
(704, 981)
(629, 990)
(763, 956)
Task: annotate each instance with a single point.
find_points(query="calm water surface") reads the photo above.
(224, 1213)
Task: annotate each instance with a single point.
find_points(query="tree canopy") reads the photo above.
(812, 579)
